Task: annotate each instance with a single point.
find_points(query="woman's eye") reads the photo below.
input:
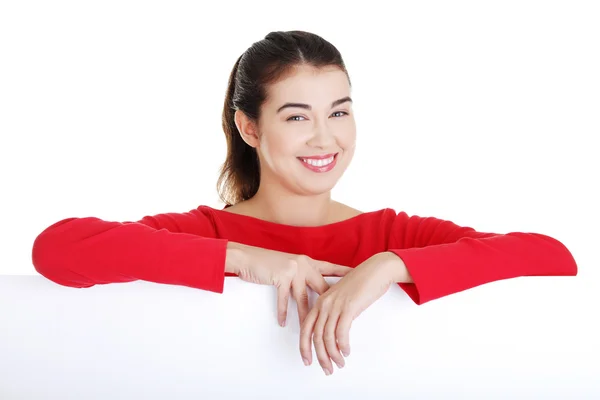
(299, 116)
(343, 112)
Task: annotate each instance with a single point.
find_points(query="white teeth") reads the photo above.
(319, 163)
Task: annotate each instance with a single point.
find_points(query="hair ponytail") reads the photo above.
(240, 173)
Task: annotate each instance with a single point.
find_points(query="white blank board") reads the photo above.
(519, 338)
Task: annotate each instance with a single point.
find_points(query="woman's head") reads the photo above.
(288, 98)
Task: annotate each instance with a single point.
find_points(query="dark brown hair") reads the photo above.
(262, 64)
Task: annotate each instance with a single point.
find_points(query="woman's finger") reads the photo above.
(301, 296)
(330, 339)
(327, 268)
(306, 331)
(283, 295)
(319, 343)
(316, 281)
(342, 332)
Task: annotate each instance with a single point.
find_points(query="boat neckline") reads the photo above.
(259, 221)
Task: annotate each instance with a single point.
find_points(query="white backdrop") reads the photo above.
(483, 114)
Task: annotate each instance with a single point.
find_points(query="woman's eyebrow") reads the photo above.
(308, 107)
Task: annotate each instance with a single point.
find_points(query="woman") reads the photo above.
(291, 134)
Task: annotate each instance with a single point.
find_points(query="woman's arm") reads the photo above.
(442, 257)
(164, 248)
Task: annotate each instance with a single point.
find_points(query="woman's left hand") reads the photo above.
(332, 315)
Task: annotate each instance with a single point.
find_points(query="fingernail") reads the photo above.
(305, 361)
(339, 366)
(326, 371)
(345, 353)
(284, 322)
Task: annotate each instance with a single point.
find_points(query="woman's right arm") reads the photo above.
(170, 248)
(177, 249)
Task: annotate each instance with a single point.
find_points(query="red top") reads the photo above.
(189, 249)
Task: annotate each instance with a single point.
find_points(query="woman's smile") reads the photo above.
(319, 165)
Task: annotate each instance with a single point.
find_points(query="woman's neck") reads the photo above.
(291, 209)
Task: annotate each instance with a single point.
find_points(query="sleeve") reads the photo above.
(444, 258)
(171, 248)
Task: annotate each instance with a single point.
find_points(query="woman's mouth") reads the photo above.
(319, 165)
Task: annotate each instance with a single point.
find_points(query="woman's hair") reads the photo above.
(264, 63)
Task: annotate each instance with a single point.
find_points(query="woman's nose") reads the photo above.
(322, 137)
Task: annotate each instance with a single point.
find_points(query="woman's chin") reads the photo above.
(316, 186)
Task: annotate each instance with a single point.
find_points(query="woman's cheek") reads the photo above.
(348, 139)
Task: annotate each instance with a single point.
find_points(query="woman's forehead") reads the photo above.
(309, 86)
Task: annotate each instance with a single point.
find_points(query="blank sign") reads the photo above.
(511, 339)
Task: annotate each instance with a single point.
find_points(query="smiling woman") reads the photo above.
(295, 110)
(291, 134)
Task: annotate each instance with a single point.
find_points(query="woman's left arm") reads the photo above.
(429, 258)
(444, 258)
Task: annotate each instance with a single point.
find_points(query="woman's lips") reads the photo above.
(321, 164)
(319, 157)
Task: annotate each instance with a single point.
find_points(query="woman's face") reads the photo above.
(320, 122)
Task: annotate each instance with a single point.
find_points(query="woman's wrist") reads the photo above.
(397, 269)
(234, 258)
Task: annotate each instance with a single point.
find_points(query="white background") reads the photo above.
(486, 114)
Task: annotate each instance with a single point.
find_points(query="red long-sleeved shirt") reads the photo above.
(189, 249)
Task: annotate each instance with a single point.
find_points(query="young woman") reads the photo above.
(291, 134)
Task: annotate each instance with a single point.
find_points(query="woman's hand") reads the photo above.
(288, 272)
(334, 311)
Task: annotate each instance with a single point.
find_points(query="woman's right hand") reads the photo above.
(288, 272)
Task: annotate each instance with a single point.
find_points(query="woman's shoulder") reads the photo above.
(350, 212)
(344, 212)
(376, 217)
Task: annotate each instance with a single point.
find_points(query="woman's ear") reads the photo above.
(247, 128)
